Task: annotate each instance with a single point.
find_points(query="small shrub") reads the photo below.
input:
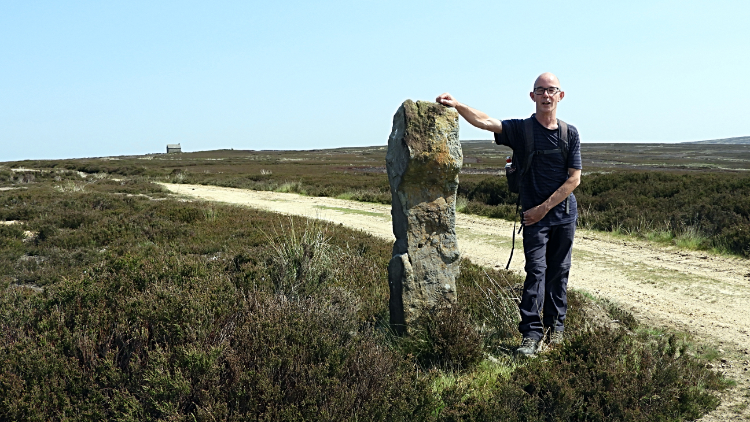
(735, 238)
(46, 232)
(11, 231)
(505, 211)
(366, 195)
(599, 375)
(619, 379)
(295, 360)
(291, 187)
(6, 176)
(444, 338)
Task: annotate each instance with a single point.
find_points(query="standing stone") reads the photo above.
(423, 160)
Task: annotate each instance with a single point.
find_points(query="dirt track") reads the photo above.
(705, 294)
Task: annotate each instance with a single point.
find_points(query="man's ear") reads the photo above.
(531, 94)
(562, 95)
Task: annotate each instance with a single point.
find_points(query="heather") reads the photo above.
(120, 302)
(698, 210)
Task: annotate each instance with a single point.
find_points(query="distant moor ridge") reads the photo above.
(744, 140)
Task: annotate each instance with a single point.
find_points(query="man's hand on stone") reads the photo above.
(533, 215)
(446, 100)
(475, 117)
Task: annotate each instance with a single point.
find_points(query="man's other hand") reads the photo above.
(533, 215)
(446, 100)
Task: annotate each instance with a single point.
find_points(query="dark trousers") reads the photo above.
(545, 302)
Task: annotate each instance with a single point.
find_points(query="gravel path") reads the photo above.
(705, 294)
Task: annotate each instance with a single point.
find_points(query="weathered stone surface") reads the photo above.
(423, 161)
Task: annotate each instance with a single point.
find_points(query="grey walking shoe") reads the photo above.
(529, 347)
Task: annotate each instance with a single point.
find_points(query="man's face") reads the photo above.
(546, 94)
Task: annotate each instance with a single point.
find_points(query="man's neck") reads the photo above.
(548, 120)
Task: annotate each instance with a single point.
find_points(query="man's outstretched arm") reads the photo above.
(475, 117)
(533, 215)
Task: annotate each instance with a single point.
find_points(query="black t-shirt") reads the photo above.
(548, 172)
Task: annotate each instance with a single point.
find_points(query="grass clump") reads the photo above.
(291, 187)
(461, 203)
(302, 260)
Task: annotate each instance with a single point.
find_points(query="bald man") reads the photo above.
(549, 208)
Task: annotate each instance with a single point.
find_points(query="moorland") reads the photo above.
(122, 302)
(691, 194)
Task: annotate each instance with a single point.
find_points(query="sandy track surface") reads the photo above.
(707, 295)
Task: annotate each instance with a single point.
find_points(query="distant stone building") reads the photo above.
(173, 148)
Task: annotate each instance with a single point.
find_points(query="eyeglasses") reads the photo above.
(551, 90)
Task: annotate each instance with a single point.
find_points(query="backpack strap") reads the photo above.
(528, 153)
(563, 127)
(564, 147)
(528, 150)
(548, 151)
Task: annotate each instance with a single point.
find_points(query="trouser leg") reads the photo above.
(559, 248)
(534, 248)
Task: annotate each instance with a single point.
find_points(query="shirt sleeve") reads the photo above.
(508, 136)
(502, 138)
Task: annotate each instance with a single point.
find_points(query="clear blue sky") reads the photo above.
(100, 78)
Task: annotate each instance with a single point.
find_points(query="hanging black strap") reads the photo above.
(513, 244)
(564, 147)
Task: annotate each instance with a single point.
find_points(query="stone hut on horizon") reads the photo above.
(173, 148)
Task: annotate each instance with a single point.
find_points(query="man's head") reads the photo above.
(547, 93)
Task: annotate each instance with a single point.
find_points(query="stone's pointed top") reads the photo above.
(428, 122)
(426, 108)
(427, 132)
